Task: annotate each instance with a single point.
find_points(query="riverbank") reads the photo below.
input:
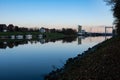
(34, 35)
(18, 33)
(98, 63)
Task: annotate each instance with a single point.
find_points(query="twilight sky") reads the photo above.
(55, 13)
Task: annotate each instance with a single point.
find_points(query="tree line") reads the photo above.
(12, 28)
(65, 31)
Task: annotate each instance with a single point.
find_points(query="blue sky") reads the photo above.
(55, 13)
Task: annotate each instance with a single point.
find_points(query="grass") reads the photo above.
(101, 62)
(54, 35)
(48, 35)
(18, 33)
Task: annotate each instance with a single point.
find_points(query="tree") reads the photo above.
(16, 29)
(69, 31)
(116, 12)
(10, 28)
(3, 27)
(53, 30)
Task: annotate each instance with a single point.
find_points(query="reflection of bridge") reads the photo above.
(90, 39)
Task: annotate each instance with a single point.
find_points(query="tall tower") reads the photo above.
(79, 28)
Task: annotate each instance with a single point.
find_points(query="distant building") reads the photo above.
(79, 28)
(3, 28)
(80, 31)
(42, 30)
(83, 31)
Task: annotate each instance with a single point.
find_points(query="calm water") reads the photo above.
(31, 60)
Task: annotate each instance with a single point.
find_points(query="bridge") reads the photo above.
(96, 31)
(107, 28)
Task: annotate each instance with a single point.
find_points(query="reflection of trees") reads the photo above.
(65, 39)
(2, 45)
(10, 45)
(14, 43)
(69, 39)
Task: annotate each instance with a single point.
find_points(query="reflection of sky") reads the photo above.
(94, 39)
(33, 61)
(55, 13)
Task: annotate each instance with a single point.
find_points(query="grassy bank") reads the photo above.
(18, 33)
(102, 62)
(54, 35)
(35, 34)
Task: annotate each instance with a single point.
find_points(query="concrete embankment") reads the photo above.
(102, 62)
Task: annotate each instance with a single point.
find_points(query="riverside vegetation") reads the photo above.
(98, 63)
(11, 30)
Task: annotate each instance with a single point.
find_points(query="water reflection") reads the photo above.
(4, 43)
(26, 59)
(82, 39)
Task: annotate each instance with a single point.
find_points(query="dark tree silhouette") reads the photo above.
(53, 30)
(68, 31)
(116, 12)
(3, 27)
(10, 28)
(16, 29)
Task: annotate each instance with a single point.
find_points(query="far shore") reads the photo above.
(33, 35)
